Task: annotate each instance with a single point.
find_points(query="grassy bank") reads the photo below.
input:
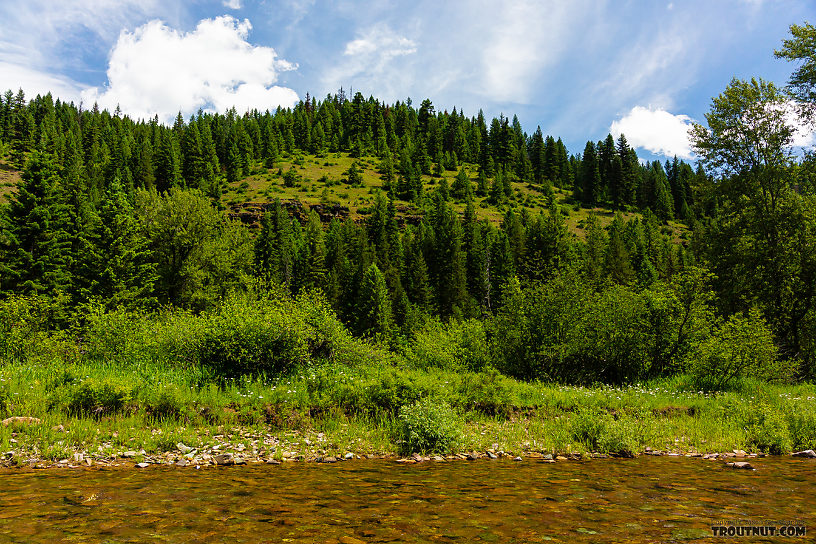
(276, 378)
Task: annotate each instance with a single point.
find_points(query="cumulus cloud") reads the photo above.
(157, 70)
(655, 130)
(232, 4)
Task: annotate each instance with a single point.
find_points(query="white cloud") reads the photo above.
(368, 63)
(521, 38)
(232, 4)
(655, 130)
(157, 70)
(35, 82)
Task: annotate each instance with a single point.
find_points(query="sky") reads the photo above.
(579, 69)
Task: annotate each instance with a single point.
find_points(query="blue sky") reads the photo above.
(577, 68)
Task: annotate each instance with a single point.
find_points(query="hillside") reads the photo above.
(321, 185)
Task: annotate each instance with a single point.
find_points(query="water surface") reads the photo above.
(648, 499)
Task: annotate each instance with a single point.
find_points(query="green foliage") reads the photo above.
(428, 426)
(741, 347)
(456, 345)
(487, 392)
(598, 431)
(95, 397)
(766, 430)
(802, 427)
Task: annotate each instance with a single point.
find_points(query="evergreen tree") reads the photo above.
(35, 242)
(376, 318)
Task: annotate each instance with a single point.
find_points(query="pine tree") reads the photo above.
(275, 251)
(376, 318)
(122, 274)
(35, 243)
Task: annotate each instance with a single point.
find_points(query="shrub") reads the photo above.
(741, 347)
(166, 402)
(456, 345)
(97, 397)
(802, 427)
(428, 426)
(589, 426)
(766, 430)
(488, 392)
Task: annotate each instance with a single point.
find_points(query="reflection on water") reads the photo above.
(649, 499)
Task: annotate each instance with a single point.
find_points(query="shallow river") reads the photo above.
(648, 499)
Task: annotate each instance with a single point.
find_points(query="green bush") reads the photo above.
(488, 392)
(767, 430)
(456, 345)
(802, 428)
(428, 426)
(588, 426)
(164, 402)
(96, 397)
(741, 347)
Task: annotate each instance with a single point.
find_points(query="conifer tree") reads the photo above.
(375, 316)
(35, 244)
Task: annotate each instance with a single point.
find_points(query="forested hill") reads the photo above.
(401, 213)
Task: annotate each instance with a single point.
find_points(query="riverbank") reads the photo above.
(237, 425)
(263, 378)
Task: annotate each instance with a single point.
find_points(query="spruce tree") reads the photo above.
(35, 241)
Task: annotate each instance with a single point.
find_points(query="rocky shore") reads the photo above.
(243, 447)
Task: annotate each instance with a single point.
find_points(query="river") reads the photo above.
(647, 499)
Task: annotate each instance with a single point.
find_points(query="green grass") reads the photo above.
(146, 382)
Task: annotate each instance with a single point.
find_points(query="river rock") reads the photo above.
(223, 459)
(182, 463)
(142, 465)
(810, 454)
(240, 461)
(273, 462)
(78, 457)
(183, 448)
(350, 540)
(492, 455)
(560, 458)
(129, 454)
(21, 420)
(329, 459)
(517, 459)
(741, 464)
(348, 456)
(739, 453)
(548, 457)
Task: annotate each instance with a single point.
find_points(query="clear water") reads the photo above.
(648, 499)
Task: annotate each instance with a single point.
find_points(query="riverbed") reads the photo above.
(646, 499)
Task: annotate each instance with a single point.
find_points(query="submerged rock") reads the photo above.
(810, 454)
(741, 464)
